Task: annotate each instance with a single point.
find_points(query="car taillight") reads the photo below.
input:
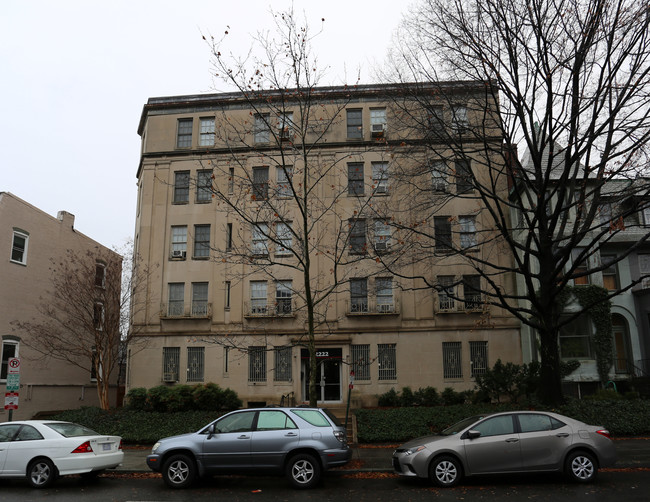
(120, 447)
(83, 448)
(340, 435)
(603, 432)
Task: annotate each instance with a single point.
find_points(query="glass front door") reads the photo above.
(328, 376)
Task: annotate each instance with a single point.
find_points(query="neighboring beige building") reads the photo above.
(223, 303)
(30, 239)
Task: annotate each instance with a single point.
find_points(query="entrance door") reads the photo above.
(328, 376)
(621, 344)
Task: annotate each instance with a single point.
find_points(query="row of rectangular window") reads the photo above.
(356, 186)
(361, 362)
(282, 126)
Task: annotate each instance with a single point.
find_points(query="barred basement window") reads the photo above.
(478, 357)
(387, 361)
(282, 364)
(256, 364)
(171, 362)
(195, 364)
(360, 355)
(452, 360)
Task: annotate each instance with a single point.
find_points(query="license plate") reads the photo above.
(106, 447)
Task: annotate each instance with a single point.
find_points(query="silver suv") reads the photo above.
(297, 441)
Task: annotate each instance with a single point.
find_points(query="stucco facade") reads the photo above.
(30, 239)
(223, 303)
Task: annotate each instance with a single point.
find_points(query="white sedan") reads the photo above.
(42, 450)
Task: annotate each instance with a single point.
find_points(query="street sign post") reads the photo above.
(13, 385)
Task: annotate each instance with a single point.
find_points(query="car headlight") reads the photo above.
(155, 447)
(414, 450)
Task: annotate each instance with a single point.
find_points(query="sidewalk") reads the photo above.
(632, 452)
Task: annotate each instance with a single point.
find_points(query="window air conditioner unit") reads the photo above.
(377, 129)
(170, 377)
(178, 254)
(381, 246)
(381, 188)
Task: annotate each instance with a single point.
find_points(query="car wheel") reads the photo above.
(303, 471)
(41, 473)
(179, 471)
(581, 467)
(445, 471)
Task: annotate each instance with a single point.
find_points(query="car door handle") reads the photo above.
(290, 435)
(512, 440)
(244, 436)
(562, 435)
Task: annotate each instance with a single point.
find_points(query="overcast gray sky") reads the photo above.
(76, 74)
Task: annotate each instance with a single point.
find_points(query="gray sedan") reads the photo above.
(511, 442)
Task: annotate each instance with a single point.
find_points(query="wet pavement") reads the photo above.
(632, 452)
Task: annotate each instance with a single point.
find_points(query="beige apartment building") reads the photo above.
(32, 241)
(243, 197)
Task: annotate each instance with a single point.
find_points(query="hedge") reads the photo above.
(381, 425)
(139, 427)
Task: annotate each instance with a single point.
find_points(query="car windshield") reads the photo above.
(459, 426)
(70, 430)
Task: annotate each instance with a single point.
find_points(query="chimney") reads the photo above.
(66, 218)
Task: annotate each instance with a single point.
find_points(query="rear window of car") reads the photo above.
(70, 430)
(314, 417)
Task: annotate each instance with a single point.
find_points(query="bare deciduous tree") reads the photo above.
(84, 318)
(279, 189)
(570, 84)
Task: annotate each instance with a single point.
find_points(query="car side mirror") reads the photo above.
(212, 430)
(473, 434)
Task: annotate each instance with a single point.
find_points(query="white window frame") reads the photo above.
(176, 296)
(380, 176)
(261, 129)
(4, 358)
(459, 117)
(200, 292)
(184, 133)
(23, 257)
(259, 239)
(284, 297)
(285, 125)
(439, 175)
(384, 297)
(284, 239)
(283, 181)
(377, 118)
(382, 236)
(259, 298)
(201, 247)
(206, 131)
(204, 185)
(468, 237)
(179, 241)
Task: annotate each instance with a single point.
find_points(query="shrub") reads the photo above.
(389, 398)
(212, 397)
(407, 398)
(157, 398)
(450, 397)
(427, 397)
(136, 399)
